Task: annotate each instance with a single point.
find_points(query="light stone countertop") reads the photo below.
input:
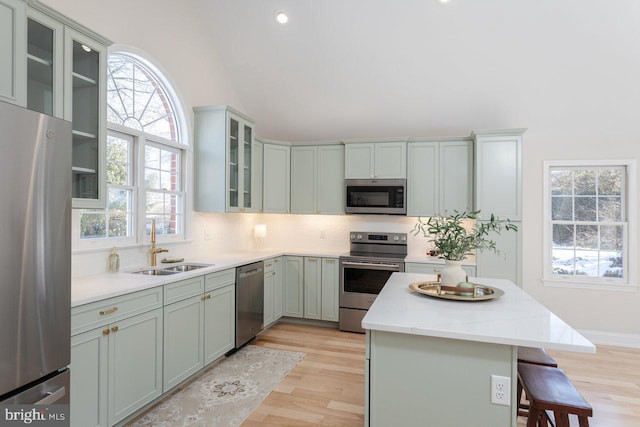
(87, 289)
(513, 319)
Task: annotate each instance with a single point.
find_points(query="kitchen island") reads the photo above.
(429, 361)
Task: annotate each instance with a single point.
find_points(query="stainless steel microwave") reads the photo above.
(376, 196)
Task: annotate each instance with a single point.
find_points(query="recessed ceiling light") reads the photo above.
(282, 17)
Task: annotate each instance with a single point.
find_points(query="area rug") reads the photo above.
(226, 394)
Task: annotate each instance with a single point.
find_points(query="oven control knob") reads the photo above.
(353, 237)
(359, 237)
(396, 238)
(404, 238)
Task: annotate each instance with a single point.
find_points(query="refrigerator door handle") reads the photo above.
(52, 396)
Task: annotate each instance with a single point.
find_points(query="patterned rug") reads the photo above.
(226, 394)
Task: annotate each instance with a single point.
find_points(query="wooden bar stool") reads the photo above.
(535, 356)
(549, 389)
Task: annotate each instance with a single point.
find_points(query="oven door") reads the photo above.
(361, 281)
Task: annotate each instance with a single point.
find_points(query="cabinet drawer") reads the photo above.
(220, 279)
(95, 314)
(183, 289)
(270, 265)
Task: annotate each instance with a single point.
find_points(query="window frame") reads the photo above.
(629, 206)
(140, 139)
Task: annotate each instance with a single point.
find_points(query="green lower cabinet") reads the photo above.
(321, 287)
(116, 369)
(272, 290)
(135, 364)
(330, 289)
(219, 322)
(312, 288)
(89, 386)
(293, 286)
(183, 340)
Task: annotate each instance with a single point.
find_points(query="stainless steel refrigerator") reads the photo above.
(35, 257)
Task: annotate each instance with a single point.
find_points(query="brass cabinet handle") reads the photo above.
(206, 297)
(273, 273)
(330, 260)
(268, 265)
(106, 331)
(110, 311)
(114, 329)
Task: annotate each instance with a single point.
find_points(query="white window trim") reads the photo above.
(140, 239)
(631, 254)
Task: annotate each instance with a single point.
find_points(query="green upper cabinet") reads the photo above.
(228, 161)
(276, 178)
(45, 64)
(53, 65)
(12, 51)
(439, 177)
(498, 173)
(365, 160)
(317, 184)
(85, 95)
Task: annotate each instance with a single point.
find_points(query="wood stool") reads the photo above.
(549, 389)
(536, 356)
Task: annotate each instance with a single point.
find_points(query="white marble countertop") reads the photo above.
(513, 319)
(87, 289)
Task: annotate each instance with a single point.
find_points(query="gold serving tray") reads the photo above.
(477, 293)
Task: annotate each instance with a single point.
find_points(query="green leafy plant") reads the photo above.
(453, 241)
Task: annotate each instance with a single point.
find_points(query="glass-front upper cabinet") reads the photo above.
(228, 161)
(44, 64)
(247, 149)
(241, 165)
(84, 106)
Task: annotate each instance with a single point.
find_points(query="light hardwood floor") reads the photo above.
(327, 387)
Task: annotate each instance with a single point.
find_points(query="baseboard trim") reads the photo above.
(612, 338)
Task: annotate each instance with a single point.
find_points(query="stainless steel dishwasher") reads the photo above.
(249, 302)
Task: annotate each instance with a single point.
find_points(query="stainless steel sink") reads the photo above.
(174, 269)
(152, 272)
(185, 267)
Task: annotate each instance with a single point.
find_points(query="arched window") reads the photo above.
(145, 158)
(137, 100)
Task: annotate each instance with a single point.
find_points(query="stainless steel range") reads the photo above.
(373, 257)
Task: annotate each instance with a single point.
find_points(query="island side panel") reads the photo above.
(420, 380)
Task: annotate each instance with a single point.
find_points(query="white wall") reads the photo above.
(171, 32)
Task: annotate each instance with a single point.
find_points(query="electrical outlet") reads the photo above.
(500, 390)
(208, 234)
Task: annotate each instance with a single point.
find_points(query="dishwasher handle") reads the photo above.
(250, 270)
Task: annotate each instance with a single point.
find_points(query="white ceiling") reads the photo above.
(375, 68)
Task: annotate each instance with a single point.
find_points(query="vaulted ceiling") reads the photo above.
(376, 68)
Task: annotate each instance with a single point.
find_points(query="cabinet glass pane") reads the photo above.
(85, 120)
(234, 133)
(247, 166)
(39, 67)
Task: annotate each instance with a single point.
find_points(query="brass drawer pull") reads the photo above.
(206, 297)
(106, 332)
(114, 329)
(110, 311)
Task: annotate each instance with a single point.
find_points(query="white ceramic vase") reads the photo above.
(452, 273)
